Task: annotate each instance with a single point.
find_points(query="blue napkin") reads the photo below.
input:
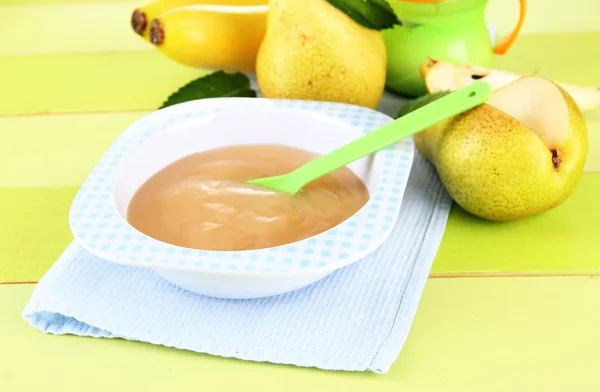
(355, 319)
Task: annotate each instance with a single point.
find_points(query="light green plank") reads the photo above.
(469, 335)
(39, 151)
(571, 58)
(89, 82)
(68, 28)
(561, 241)
(74, 2)
(142, 80)
(545, 16)
(592, 163)
(57, 150)
(34, 230)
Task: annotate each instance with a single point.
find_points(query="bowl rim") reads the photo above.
(137, 131)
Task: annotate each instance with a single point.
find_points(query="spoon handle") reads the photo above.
(450, 105)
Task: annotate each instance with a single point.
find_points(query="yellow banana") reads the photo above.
(211, 36)
(143, 15)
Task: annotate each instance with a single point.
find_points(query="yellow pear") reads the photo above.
(519, 154)
(426, 140)
(313, 51)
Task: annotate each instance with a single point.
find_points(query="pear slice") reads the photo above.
(445, 76)
(543, 112)
(520, 153)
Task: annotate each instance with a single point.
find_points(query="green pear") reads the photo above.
(314, 51)
(519, 154)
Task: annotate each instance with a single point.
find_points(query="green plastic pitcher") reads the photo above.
(450, 30)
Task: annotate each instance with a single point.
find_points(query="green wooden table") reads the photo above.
(510, 306)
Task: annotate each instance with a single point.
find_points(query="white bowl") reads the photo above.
(97, 216)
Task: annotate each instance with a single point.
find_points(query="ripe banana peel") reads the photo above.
(211, 37)
(143, 15)
(444, 76)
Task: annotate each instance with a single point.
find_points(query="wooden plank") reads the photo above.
(55, 28)
(545, 16)
(142, 80)
(73, 2)
(89, 82)
(52, 26)
(56, 150)
(592, 164)
(562, 241)
(564, 57)
(469, 335)
(34, 231)
(39, 151)
(69, 28)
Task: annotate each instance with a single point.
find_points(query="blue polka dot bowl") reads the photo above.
(98, 213)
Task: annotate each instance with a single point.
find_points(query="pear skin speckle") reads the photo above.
(312, 50)
(498, 169)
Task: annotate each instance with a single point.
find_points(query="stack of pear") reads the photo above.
(519, 154)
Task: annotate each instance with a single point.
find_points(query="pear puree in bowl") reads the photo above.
(202, 201)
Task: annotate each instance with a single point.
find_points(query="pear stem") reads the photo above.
(556, 159)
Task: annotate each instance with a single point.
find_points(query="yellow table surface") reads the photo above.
(73, 76)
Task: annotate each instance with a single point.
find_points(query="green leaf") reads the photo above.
(372, 14)
(215, 85)
(419, 102)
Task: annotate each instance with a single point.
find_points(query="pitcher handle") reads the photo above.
(502, 46)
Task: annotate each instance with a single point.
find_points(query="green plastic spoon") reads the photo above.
(450, 105)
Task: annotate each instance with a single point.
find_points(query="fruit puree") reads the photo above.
(202, 201)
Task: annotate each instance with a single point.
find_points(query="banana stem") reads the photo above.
(138, 21)
(157, 32)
